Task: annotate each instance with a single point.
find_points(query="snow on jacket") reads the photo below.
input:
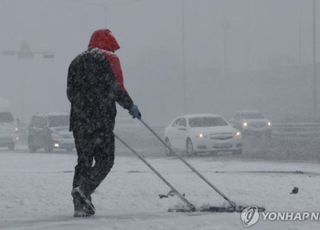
(95, 83)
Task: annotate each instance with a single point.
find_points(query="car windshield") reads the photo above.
(6, 117)
(58, 121)
(252, 115)
(207, 122)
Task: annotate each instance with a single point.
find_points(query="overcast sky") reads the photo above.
(221, 37)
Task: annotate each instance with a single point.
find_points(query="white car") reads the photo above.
(8, 130)
(202, 133)
(251, 122)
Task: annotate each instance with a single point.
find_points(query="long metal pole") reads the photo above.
(190, 206)
(190, 166)
(315, 80)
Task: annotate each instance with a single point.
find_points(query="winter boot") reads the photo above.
(83, 206)
(80, 209)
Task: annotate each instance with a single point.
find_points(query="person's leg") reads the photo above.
(100, 146)
(82, 171)
(84, 147)
(104, 158)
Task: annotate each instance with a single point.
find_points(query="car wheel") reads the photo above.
(31, 148)
(48, 148)
(189, 147)
(168, 151)
(11, 146)
(214, 153)
(237, 152)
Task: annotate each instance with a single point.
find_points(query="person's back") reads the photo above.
(95, 83)
(90, 92)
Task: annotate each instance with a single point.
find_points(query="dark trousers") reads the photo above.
(95, 149)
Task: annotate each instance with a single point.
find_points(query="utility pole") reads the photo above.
(249, 37)
(300, 33)
(106, 15)
(184, 77)
(225, 27)
(106, 6)
(315, 80)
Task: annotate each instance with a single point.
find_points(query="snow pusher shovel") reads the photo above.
(232, 208)
(190, 207)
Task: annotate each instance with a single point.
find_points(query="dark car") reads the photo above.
(8, 130)
(252, 123)
(50, 131)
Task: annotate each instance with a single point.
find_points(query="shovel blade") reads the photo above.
(228, 209)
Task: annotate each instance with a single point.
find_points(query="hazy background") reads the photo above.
(239, 54)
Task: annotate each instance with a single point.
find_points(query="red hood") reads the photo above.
(103, 39)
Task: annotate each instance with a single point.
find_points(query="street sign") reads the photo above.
(25, 51)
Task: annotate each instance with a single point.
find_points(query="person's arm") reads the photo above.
(70, 90)
(121, 94)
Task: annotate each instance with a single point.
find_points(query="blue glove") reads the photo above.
(134, 112)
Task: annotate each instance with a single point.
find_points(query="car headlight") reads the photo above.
(201, 135)
(269, 123)
(245, 124)
(237, 134)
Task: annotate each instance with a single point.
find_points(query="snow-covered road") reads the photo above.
(35, 192)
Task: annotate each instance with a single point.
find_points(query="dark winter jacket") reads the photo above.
(95, 83)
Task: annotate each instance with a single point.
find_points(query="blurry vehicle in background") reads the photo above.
(252, 123)
(202, 133)
(22, 131)
(50, 132)
(8, 130)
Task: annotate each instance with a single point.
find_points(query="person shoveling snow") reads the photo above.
(95, 83)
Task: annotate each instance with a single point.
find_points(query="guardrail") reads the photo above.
(281, 130)
(296, 130)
